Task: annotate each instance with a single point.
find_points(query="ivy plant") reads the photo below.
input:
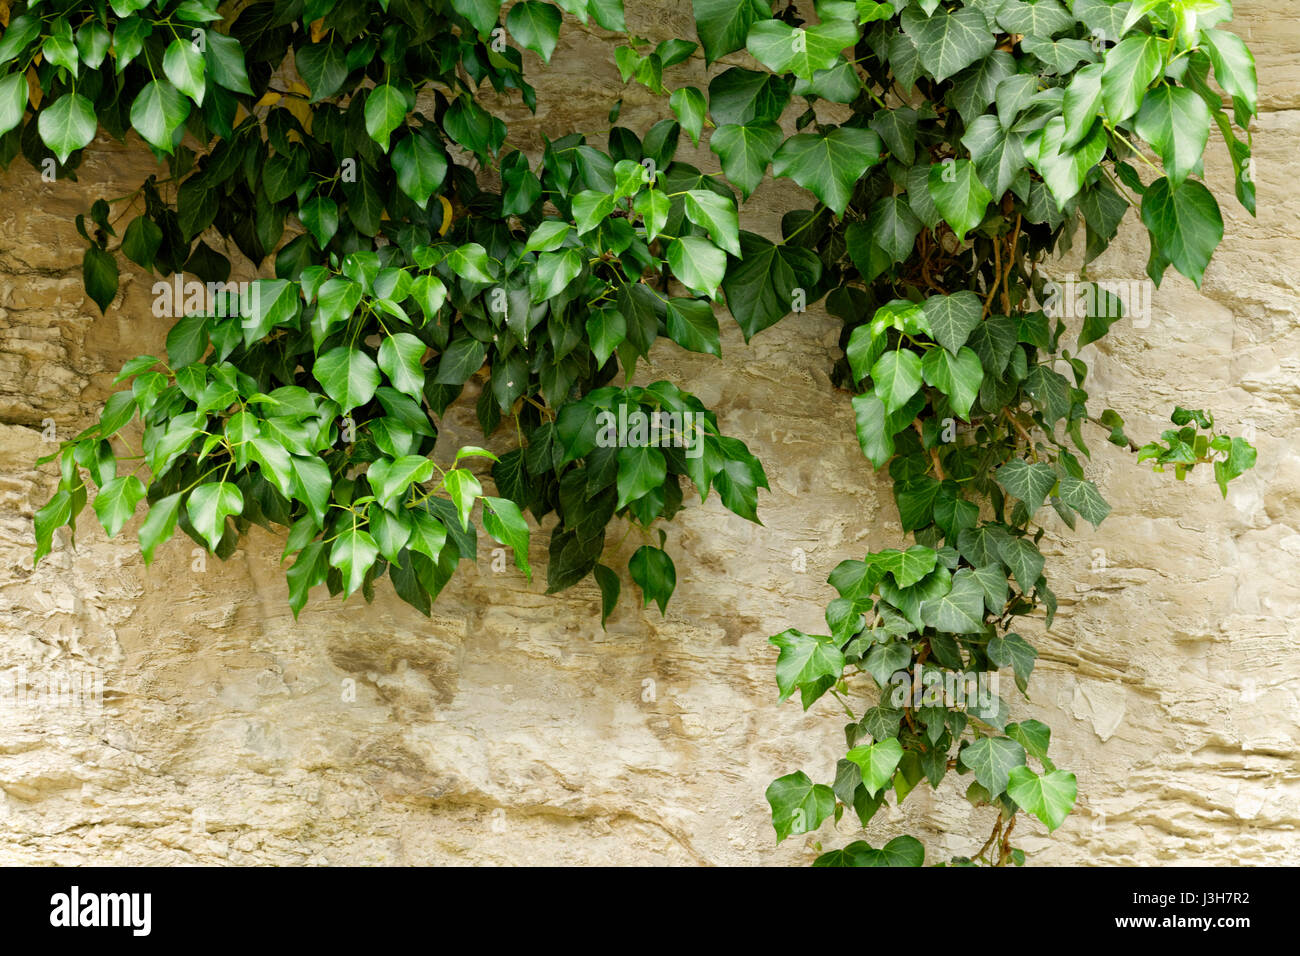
(409, 256)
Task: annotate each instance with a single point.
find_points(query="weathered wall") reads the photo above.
(510, 729)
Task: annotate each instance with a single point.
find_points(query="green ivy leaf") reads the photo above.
(471, 261)
(897, 376)
(99, 275)
(1031, 483)
(323, 66)
(689, 107)
(959, 194)
(464, 488)
(1234, 68)
(1185, 223)
(877, 762)
(157, 113)
(1131, 66)
(762, 285)
(828, 165)
(641, 470)
(948, 41)
(504, 521)
(900, 851)
(1176, 122)
(952, 318)
(798, 805)
(745, 152)
(697, 264)
(1049, 797)
(347, 375)
(116, 501)
(13, 102)
(1084, 498)
(804, 659)
(353, 552)
(873, 428)
(400, 358)
(960, 610)
(652, 570)
(959, 377)
(693, 326)
(385, 111)
(209, 506)
(799, 50)
(717, 215)
(536, 26)
(723, 25)
(224, 62)
(993, 759)
(420, 166)
(66, 125)
(183, 64)
(610, 586)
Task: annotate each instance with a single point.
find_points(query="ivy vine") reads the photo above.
(410, 253)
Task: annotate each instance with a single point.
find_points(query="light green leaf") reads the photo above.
(208, 507)
(798, 805)
(897, 376)
(799, 50)
(505, 522)
(183, 64)
(717, 215)
(353, 552)
(960, 610)
(116, 501)
(697, 264)
(952, 318)
(463, 488)
(157, 112)
(1234, 67)
(1049, 797)
(804, 659)
(689, 107)
(878, 762)
(471, 261)
(66, 125)
(385, 111)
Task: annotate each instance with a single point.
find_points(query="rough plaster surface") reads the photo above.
(509, 729)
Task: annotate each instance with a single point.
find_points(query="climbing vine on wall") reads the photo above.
(408, 251)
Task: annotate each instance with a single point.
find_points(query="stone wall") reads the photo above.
(510, 729)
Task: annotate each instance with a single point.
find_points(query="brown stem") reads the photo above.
(934, 452)
(1011, 261)
(997, 829)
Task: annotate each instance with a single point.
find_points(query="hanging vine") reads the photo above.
(341, 147)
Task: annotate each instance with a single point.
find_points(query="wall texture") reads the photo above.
(510, 729)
